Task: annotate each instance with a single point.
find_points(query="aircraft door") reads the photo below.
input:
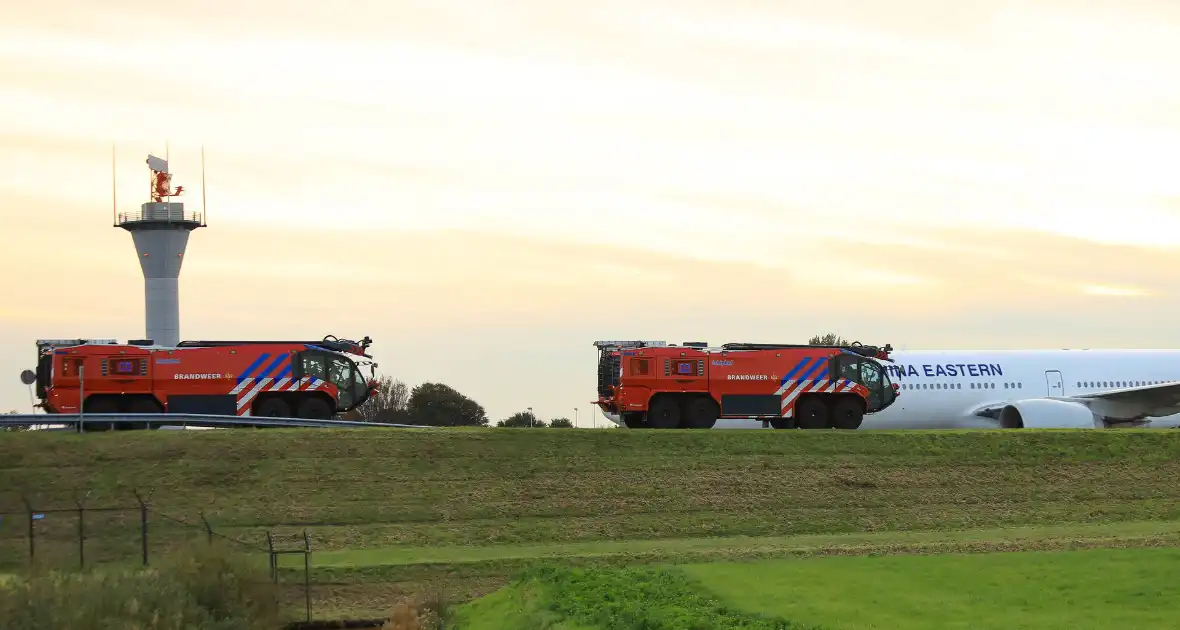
(1053, 380)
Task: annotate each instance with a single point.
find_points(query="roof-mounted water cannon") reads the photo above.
(359, 348)
(876, 352)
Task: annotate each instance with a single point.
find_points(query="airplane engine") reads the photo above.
(1042, 413)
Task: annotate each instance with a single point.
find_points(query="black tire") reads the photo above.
(315, 408)
(847, 414)
(700, 413)
(812, 413)
(272, 407)
(144, 405)
(782, 423)
(101, 405)
(664, 413)
(634, 421)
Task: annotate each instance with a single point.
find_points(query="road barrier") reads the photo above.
(157, 420)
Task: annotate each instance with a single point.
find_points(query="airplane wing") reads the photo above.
(1127, 404)
(1132, 403)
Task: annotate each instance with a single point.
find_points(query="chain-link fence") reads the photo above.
(82, 536)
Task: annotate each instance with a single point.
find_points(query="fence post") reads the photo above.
(81, 534)
(32, 530)
(307, 572)
(208, 528)
(143, 525)
(274, 565)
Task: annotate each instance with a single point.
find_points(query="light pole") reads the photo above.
(575, 417)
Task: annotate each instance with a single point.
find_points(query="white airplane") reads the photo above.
(1026, 389)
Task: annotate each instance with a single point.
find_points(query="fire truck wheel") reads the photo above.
(634, 421)
(271, 407)
(701, 413)
(101, 405)
(664, 413)
(846, 414)
(315, 408)
(143, 405)
(811, 413)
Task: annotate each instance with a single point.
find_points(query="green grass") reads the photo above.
(380, 488)
(392, 513)
(1097, 588)
(620, 599)
(834, 544)
(1087, 589)
(516, 608)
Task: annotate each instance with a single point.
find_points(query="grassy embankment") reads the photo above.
(412, 512)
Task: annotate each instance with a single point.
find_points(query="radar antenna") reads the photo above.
(161, 185)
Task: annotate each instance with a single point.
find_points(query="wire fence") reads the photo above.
(85, 536)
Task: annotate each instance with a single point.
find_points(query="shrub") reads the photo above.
(205, 587)
(427, 614)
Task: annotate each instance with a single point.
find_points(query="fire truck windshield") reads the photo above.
(868, 372)
(881, 392)
(360, 386)
(341, 373)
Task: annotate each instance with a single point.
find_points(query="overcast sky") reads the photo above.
(485, 188)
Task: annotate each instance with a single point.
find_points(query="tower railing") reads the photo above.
(177, 215)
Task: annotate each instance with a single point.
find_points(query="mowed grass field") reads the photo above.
(1094, 588)
(403, 512)
(1084, 590)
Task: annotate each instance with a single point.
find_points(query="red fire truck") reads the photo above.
(303, 379)
(651, 384)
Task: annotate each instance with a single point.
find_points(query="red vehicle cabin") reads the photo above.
(291, 379)
(656, 385)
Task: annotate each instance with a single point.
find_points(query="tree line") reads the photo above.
(437, 405)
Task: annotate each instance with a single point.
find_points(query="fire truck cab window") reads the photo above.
(849, 369)
(313, 365)
(340, 375)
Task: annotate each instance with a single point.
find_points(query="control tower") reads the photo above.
(160, 230)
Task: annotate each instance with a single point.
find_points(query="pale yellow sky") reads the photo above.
(487, 187)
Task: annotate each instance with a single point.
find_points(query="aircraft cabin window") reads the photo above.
(1020, 386)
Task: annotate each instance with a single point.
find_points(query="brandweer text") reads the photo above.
(945, 369)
